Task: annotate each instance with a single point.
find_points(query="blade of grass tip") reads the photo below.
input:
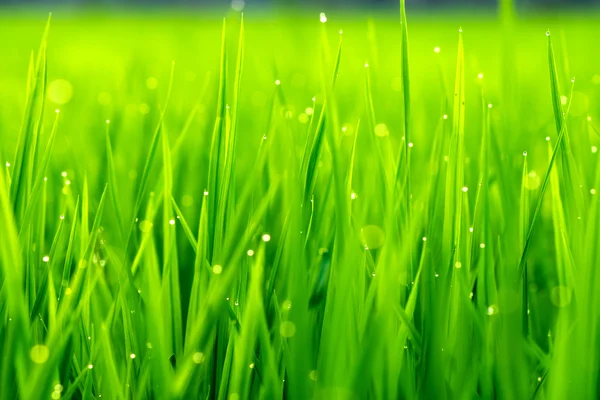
(226, 192)
(186, 228)
(455, 171)
(18, 334)
(42, 291)
(214, 167)
(25, 154)
(406, 101)
(150, 159)
(200, 279)
(190, 119)
(66, 273)
(84, 232)
(350, 173)
(112, 180)
(560, 120)
(40, 178)
(524, 206)
(171, 288)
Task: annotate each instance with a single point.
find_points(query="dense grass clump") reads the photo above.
(299, 207)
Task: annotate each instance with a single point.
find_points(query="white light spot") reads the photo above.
(323, 17)
(45, 259)
(410, 144)
(465, 189)
(480, 76)
(206, 192)
(353, 196)
(593, 191)
(132, 356)
(90, 366)
(589, 118)
(366, 65)
(547, 138)
(238, 5)
(594, 149)
(108, 121)
(482, 245)
(424, 238)
(490, 105)
(250, 252)
(436, 49)
(266, 237)
(277, 82)
(64, 174)
(67, 182)
(217, 269)
(445, 116)
(458, 264)
(62, 217)
(7, 164)
(172, 222)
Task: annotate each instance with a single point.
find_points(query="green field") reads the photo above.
(203, 208)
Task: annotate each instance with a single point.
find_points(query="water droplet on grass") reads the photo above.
(266, 237)
(217, 269)
(436, 49)
(323, 17)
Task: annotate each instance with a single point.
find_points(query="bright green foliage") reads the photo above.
(268, 207)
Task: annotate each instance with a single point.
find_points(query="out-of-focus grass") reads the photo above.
(288, 207)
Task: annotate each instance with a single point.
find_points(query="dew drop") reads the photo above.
(323, 17)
